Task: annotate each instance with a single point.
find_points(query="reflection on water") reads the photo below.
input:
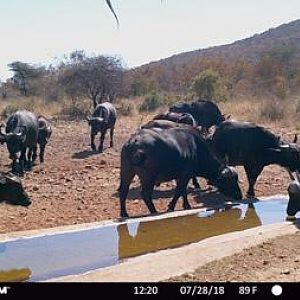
(175, 232)
(15, 275)
(77, 252)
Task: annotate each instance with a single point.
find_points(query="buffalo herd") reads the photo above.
(192, 139)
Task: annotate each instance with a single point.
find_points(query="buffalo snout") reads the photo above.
(227, 183)
(294, 199)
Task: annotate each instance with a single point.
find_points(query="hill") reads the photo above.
(281, 45)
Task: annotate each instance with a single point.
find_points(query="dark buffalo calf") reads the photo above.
(103, 118)
(44, 134)
(178, 153)
(294, 199)
(11, 190)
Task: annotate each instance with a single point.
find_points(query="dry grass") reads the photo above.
(38, 106)
(264, 111)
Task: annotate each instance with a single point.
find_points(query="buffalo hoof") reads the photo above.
(250, 195)
(124, 215)
(170, 209)
(152, 213)
(111, 145)
(28, 167)
(187, 206)
(100, 150)
(93, 147)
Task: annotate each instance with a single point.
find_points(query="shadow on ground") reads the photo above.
(84, 154)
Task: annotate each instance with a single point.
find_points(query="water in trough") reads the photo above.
(75, 252)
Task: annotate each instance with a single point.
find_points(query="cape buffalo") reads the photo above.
(44, 134)
(21, 133)
(11, 190)
(103, 118)
(178, 153)
(206, 113)
(165, 124)
(254, 147)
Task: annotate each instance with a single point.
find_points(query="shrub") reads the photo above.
(208, 85)
(151, 102)
(75, 110)
(272, 111)
(126, 108)
(28, 104)
(8, 110)
(170, 100)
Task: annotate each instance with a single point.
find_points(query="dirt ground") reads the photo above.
(76, 185)
(275, 260)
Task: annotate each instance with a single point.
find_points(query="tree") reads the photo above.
(98, 78)
(208, 85)
(269, 76)
(23, 73)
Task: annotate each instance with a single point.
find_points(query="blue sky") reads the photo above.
(37, 31)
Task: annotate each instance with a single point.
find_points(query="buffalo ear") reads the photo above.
(3, 180)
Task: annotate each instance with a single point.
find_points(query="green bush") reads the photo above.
(151, 102)
(209, 85)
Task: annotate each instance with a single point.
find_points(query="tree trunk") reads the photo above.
(95, 103)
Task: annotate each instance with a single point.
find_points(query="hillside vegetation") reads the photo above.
(263, 70)
(264, 64)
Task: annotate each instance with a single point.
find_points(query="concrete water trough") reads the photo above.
(80, 249)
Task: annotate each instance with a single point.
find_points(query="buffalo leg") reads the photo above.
(102, 137)
(28, 160)
(252, 172)
(42, 152)
(127, 175)
(93, 141)
(14, 167)
(147, 191)
(29, 154)
(186, 204)
(179, 191)
(195, 183)
(112, 137)
(22, 161)
(34, 154)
